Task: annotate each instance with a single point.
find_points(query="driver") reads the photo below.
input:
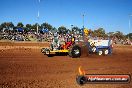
(55, 42)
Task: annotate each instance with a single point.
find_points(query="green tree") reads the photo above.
(69, 31)
(62, 30)
(3, 26)
(34, 27)
(75, 29)
(92, 33)
(6, 26)
(9, 25)
(46, 26)
(110, 34)
(53, 30)
(99, 32)
(129, 36)
(28, 27)
(119, 35)
(20, 24)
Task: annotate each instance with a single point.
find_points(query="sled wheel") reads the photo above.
(106, 52)
(94, 49)
(100, 52)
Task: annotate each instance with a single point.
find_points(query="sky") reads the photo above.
(112, 15)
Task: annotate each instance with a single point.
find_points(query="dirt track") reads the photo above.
(23, 65)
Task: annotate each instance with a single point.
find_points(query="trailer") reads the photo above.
(100, 47)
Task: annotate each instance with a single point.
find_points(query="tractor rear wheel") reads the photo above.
(75, 51)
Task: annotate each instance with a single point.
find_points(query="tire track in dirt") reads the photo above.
(27, 67)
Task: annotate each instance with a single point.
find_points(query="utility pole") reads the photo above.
(37, 22)
(38, 16)
(129, 24)
(83, 20)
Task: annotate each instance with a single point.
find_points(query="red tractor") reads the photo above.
(68, 47)
(68, 44)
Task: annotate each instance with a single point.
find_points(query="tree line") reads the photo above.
(100, 32)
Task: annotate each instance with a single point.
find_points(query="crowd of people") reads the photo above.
(34, 36)
(49, 37)
(20, 36)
